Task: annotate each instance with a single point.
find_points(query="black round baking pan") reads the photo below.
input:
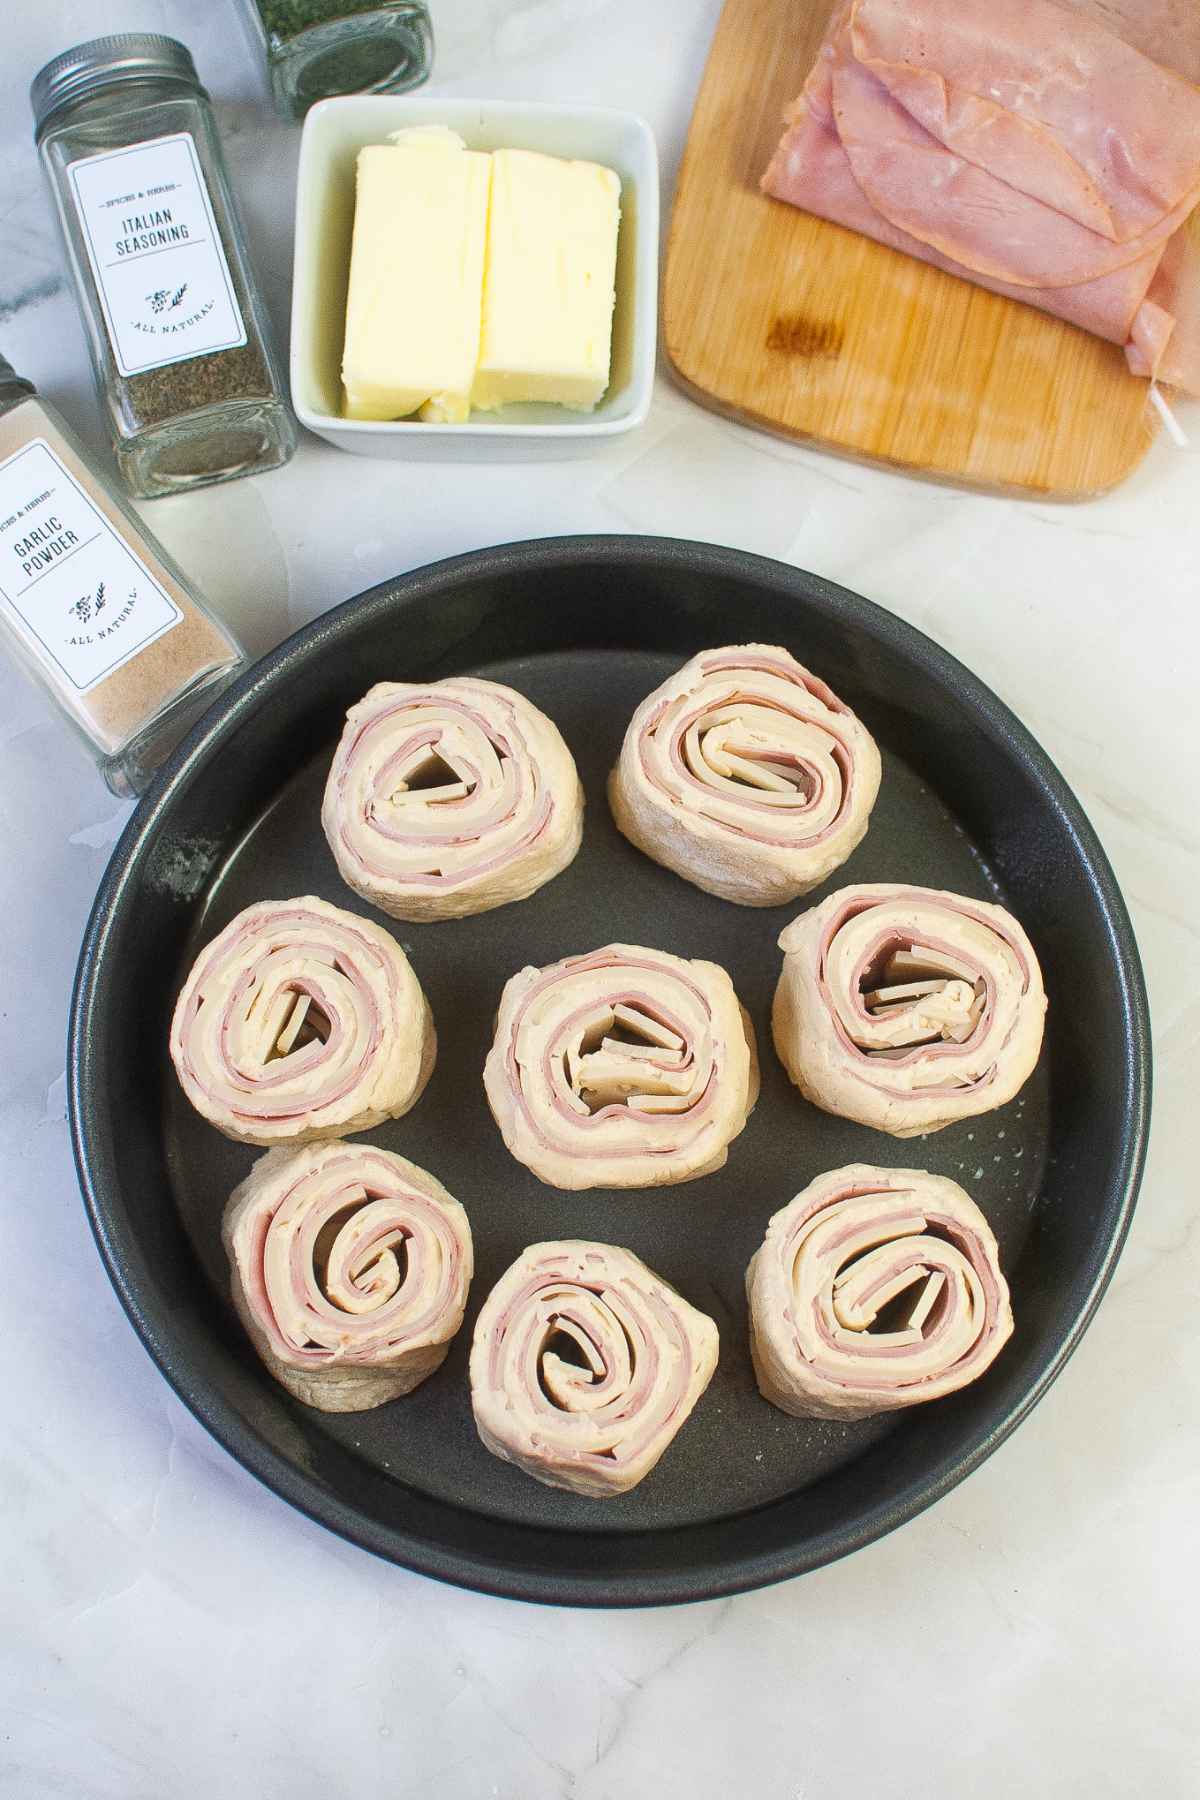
(586, 627)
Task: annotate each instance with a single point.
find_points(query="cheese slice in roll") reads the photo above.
(746, 774)
(584, 1366)
(907, 1008)
(450, 798)
(623, 1068)
(349, 1270)
(854, 1242)
(301, 1021)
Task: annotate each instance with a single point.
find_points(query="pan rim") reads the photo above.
(705, 1576)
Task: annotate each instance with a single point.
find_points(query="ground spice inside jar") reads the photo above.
(184, 387)
(288, 18)
(77, 590)
(202, 383)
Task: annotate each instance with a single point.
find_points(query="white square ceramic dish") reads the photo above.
(334, 132)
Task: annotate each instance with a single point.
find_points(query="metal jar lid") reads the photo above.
(129, 56)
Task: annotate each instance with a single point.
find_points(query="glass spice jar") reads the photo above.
(179, 338)
(315, 48)
(92, 606)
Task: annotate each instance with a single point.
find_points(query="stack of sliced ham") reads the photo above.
(1035, 148)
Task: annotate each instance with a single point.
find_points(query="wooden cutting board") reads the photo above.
(783, 321)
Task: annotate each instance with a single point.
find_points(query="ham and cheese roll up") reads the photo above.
(624, 1068)
(853, 1241)
(350, 1269)
(907, 1008)
(584, 1365)
(450, 798)
(301, 1021)
(746, 775)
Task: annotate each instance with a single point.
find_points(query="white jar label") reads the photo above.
(156, 253)
(69, 585)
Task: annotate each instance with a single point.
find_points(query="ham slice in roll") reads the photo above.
(851, 1243)
(623, 1068)
(746, 775)
(350, 1269)
(301, 1021)
(584, 1365)
(907, 1008)
(450, 798)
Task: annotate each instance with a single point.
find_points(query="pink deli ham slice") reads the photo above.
(951, 135)
(811, 168)
(963, 211)
(1164, 30)
(1165, 340)
(1001, 88)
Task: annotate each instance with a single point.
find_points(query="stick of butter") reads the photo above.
(549, 282)
(416, 276)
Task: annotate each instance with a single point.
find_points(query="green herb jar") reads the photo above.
(179, 338)
(315, 48)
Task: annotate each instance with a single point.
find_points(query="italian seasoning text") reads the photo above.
(151, 231)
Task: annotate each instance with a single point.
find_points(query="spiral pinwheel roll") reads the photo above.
(852, 1242)
(584, 1365)
(746, 775)
(624, 1068)
(301, 1021)
(907, 1008)
(350, 1269)
(450, 798)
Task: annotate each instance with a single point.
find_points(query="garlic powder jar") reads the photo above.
(91, 605)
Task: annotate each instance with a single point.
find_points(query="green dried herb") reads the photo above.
(216, 380)
(286, 19)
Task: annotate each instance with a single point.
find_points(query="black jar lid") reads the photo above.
(128, 56)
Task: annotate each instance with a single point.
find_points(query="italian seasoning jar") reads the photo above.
(91, 606)
(179, 339)
(316, 48)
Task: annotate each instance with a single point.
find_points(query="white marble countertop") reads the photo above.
(173, 1629)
